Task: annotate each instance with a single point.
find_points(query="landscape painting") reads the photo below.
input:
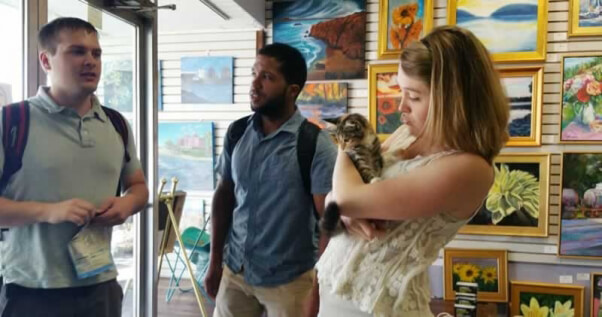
(329, 33)
(581, 116)
(207, 80)
(517, 202)
(546, 300)
(186, 152)
(585, 17)
(581, 210)
(523, 23)
(319, 101)
(401, 23)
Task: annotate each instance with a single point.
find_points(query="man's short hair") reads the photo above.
(47, 37)
(292, 63)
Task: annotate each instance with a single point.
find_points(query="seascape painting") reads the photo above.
(590, 13)
(520, 91)
(388, 97)
(485, 18)
(207, 80)
(186, 152)
(581, 116)
(320, 101)
(581, 210)
(329, 33)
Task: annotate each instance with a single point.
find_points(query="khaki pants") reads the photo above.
(236, 298)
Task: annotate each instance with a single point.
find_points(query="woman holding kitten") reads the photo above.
(455, 108)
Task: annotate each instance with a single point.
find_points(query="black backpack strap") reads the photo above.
(234, 133)
(15, 130)
(306, 148)
(121, 127)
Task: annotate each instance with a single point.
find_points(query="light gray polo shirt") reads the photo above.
(67, 156)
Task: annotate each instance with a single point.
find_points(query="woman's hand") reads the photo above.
(362, 228)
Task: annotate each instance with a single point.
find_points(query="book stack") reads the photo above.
(466, 299)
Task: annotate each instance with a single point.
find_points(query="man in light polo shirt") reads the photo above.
(61, 205)
(261, 206)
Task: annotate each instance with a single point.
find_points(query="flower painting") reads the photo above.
(401, 23)
(546, 300)
(329, 33)
(385, 96)
(486, 268)
(581, 116)
(581, 210)
(320, 101)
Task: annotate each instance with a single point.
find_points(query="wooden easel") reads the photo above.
(169, 199)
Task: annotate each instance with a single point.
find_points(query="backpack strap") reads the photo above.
(235, 132)
(120, 126)
(306, 148)
(15, 130)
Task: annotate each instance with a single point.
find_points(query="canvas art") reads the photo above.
(186, 152)
(320, 101)
(581, 116)
(5, 94)
(118, 85)
(523, 88)
(401, 23)
(585, 17)
(329, 33)
(596, 294)
(523, 21)
(487, 268)
(546, 300)
(581, 210)
(517, 203)
(207, 80)
(385, 96)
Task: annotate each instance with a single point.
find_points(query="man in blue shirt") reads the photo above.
(261, 212)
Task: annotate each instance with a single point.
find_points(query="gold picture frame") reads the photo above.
(384, 98)
(509, 35)
(595, 288)
(515, 89)
(489, 269)
(574, 19)
(516, 226)
(384, 29)
(545, 295)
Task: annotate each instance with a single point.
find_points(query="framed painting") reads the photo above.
(581, 208)
(581, 108)
(585, 17)
(385, 96)
(331, 35)
(487, 268)
(517, 203)
(524, 23)
(207, 79)
(596, 294)
(523, 87)
(401, 23)
(319, 101)
(186, 151)
(545, 300)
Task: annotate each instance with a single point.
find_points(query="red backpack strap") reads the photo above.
(15, 130)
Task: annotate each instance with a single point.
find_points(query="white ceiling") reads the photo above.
(193, 15)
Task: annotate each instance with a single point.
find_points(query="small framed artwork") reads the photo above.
(581, 209)
(524, 23)
(385, 96)
(523, 86)
(544, 299)
(581, 108)
(319, 101)
(207, 79)
(596, 294)
(487, 268)
(401, 23)
(517, 203)
(584, 18)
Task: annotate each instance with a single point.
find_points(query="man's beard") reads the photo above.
(272, 108)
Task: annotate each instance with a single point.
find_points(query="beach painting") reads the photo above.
(329, 33)
(207, 80)
(319, 101)
(186, 152)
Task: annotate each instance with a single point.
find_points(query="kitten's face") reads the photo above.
(354, 129)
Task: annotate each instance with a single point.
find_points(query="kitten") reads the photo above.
(355, 135)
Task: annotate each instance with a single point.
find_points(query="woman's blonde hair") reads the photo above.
(468, 107)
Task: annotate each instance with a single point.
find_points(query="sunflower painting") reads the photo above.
(487, 268)
(401, 23)
(546, 300)
(385, 96)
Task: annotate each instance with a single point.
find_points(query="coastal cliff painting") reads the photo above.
(329, 33)
(186, 152)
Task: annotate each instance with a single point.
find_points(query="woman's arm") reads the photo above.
(456, 184)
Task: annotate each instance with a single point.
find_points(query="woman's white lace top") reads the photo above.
(389, 276)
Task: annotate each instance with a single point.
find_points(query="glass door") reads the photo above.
(11, 54)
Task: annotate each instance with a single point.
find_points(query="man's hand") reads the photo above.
(77, 211)
(362, 228)
(113, 211)
(213, 279)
